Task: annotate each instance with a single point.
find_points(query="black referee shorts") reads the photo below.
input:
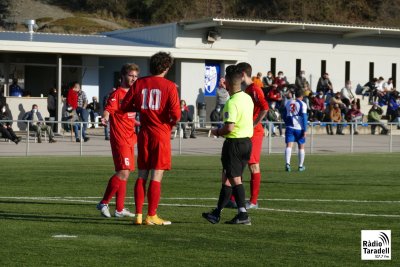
(235, 156)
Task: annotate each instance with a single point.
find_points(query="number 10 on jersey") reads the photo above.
(153, 101)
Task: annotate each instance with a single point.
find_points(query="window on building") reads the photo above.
(298, 67)
(273, 66)
(323, 67)
(371, 71)
(347, 71)
(394, 73)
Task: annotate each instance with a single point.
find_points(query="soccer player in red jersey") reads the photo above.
(156, 98)
(122, 140)
(260, 111)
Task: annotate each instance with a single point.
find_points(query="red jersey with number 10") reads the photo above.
(260, 104)
(122, 125)
(156, 98)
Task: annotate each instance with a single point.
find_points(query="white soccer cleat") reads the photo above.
(124, 213)
(250, 205)
(104, 210)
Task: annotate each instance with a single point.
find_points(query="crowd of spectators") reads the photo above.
(326, 106)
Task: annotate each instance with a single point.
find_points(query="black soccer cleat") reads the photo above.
(241, 218)
(213, 216)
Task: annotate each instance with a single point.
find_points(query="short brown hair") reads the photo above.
(245, 67)
(160, 62)
(126, 68)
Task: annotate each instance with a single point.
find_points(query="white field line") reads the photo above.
(211, 206)
(213, 198)
(65, 236)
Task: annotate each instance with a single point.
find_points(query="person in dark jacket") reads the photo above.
(216, 116)
(5, 127)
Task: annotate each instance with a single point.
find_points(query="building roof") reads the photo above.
(102, 45)
(275, 27)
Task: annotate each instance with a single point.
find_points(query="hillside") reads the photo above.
(92, 16)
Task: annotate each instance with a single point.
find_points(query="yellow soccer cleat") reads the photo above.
(155, 220)
(138, 219)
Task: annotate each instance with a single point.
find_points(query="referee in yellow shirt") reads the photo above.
(237, 130)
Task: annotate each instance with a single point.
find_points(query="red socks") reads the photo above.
(255, 181)
(153, 197)
(112, 188)
(120, 197)
(140, 194)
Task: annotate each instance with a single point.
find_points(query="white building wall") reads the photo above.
(90, 76)
(192, 81)
(311, 48)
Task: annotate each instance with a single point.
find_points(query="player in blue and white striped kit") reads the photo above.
(296, 128)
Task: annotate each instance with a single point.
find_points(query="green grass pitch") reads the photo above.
(307, 218)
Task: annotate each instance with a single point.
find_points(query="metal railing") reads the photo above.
(51, 124)
(310, 132)
(180, 147)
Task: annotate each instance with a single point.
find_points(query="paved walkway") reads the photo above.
(202, 145)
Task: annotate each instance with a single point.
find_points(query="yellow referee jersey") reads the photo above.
(239, 110)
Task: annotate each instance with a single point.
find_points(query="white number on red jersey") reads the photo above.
(154, 99)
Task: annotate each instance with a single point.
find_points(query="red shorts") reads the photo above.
(124, 158)
(256, 142)
(154, 151)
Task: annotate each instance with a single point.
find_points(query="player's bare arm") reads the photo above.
(260, 117)
(228, 127)
(105, 118)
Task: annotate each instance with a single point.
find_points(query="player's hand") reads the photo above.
(104, 122)
(215, 131)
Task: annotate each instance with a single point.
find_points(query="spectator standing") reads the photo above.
(52, 102)
(375, 116)
(325, 84)
(72, 95)
(94, 110)
(82, 111)
(5, 127)
(15, 89)
(222, 94)
(301, 81)
(38, 125)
